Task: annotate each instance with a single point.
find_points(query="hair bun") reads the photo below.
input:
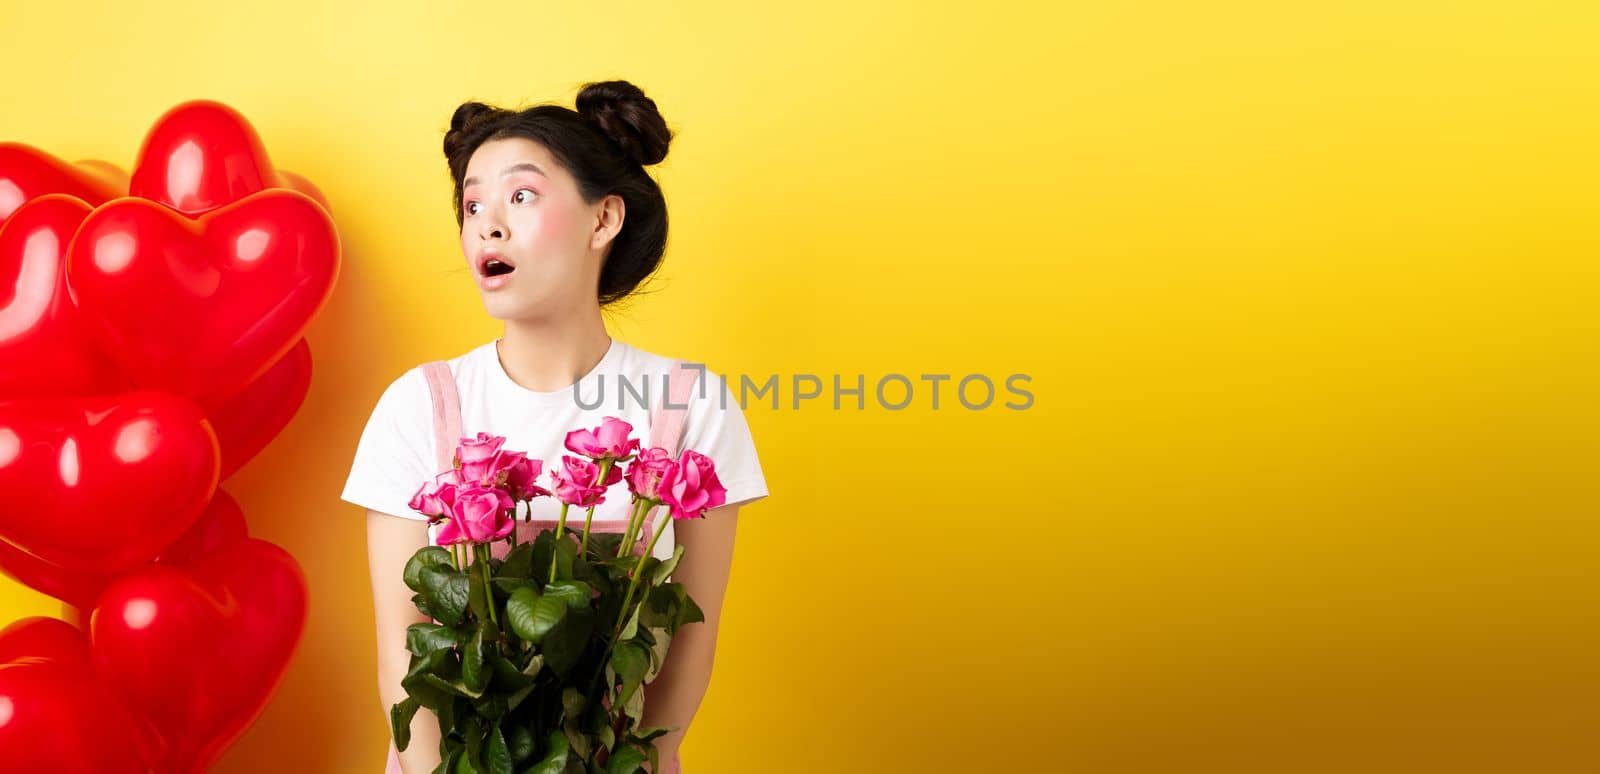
(467, 115)
(622, 112)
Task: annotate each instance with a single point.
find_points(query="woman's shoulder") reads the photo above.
(410, 388)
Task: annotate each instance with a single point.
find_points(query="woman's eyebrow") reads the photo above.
(526, 166)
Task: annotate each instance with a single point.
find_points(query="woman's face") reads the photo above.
(520, 207)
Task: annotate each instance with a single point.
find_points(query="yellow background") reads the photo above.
(1307, 293)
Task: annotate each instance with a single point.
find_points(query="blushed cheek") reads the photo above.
(557, 228)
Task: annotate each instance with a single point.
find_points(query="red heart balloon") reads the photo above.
(202, 307)
(43, 638)
(103, 483)
(55, 715)
(222, 523)
(77, 588)
(199, 651)
(250, 420)
(203, 154)
(299, 183)
(27, 173)
(45, 344)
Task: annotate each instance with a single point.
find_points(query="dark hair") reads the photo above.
(605, 145)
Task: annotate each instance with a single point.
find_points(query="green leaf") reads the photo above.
(477, 593)
(647, 735)
(666, 568)
(400, 722)
(491, 705)
(519, 740)
(474, 734)
(579, 741)
(507, 673)
(574, 593)
(446, 594)
(658, 648)
(432, 556)
(497, 757)
(634, 706)
(425, 693)
(555, 760)
(625, 761)
(425, 638)
(544, 546)
(630, 660)
(534, 665)
(518, 696)
(455, 686)
(603, 545)
(447, 716)
(647, 570)
(689, 613)
(474, 673)
(630, 629)
(509, 586)
(518, 563)
(566, 549)
(422, 605)
(532, 616)
(519, 610)
(573, 701)
(566, 640)
(658, 606)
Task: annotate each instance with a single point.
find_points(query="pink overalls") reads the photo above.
(666, 431)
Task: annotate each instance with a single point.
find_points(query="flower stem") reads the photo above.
(622, 615)
(640, 507)
(605, 467)
(482, 550)
(560, 522)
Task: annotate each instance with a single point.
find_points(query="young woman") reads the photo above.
(558, 220)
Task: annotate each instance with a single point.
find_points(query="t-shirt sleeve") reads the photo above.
(715, 426)
(392, 457)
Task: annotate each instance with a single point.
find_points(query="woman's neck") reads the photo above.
(550, 355)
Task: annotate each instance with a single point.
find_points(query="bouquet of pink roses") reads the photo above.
(535, 659)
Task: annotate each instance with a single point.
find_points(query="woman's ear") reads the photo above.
(608, 221)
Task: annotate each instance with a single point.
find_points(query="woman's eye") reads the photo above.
(469, 207)
(521, 191)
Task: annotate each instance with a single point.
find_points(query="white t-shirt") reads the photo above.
(396, 452)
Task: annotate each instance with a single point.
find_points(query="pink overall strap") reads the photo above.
(446, 401)
(666, 429)
(666, 424)
(446, 412)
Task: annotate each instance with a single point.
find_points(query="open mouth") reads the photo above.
(495, 267)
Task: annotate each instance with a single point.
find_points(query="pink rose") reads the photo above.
(435, 498)
(692, 486)
(479, 515)
(519, 474)
(575, 482)
(609, 440)
(647, 472)
(476, 457)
